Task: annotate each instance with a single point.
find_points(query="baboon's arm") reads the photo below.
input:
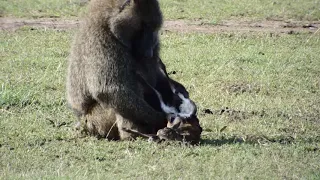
(111, 82)
(129, 105)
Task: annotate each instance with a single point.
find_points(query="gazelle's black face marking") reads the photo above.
(178, 106)
(168, 95)
(186, 107)
(181, 107)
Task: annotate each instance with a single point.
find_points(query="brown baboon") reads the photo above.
(101, 86)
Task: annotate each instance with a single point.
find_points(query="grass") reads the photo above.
(270, 129)
(216, 10)
(210, 10)
(39, 8)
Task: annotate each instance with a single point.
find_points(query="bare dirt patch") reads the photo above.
(241, 88)
(241, 26)
(12, 24)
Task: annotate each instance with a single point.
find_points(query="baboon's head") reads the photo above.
(136, 19)
(149, 13)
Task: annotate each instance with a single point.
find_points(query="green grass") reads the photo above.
(210, 10)
(41, 8)
(216, 10)
(270, 84)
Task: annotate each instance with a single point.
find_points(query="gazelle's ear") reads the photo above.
(125, 3)
(174, 122)
(194, 108)
(139, 1)
(170, 119)
(177, 124)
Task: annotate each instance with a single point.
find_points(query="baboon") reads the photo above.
(101, 86)
(178, 108)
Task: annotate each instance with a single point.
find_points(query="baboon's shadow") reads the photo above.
(252, 139)
(220, 142)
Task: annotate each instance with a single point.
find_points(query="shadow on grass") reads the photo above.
(250, 139)
(220, 142)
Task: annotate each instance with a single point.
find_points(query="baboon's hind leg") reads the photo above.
(101, 122)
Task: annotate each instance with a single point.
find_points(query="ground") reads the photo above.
(268, 26)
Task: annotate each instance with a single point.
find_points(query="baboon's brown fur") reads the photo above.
(101, 86)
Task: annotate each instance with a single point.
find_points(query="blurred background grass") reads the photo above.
(211, 10)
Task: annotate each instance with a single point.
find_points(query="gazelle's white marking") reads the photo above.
(167, 109)
(186, 107)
